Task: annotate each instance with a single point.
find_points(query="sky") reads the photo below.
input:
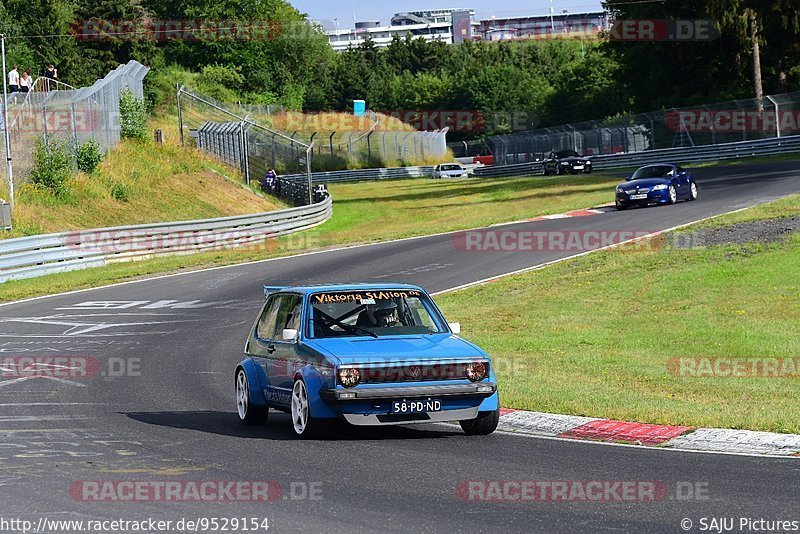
(327, 10)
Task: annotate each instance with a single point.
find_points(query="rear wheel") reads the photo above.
(692, 191)
(249, 414)
(483, 425)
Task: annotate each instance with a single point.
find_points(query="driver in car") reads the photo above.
(382, 314)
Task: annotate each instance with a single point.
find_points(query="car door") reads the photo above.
(278, 358)
(685, 179)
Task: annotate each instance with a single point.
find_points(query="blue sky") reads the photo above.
(384, 9)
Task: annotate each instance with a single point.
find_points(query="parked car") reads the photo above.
(566, 161)
(660, 183)
(366, 354)
(449, 170)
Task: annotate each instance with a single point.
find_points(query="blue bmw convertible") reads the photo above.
(661, 183)
(366, 354)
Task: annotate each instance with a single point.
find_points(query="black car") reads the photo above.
(566, 161)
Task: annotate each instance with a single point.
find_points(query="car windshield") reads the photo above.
(376, 313)
(654, 171)
(450, 168)
(567, 154)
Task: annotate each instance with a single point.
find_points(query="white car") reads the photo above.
(449, 170)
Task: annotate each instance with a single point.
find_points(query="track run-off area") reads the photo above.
(154, 403)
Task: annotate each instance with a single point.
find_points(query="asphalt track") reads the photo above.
(160, 405)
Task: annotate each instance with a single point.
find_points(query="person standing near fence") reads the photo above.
(13, 80)
(51, 74)
(25, 81)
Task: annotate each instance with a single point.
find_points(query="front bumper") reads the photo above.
(374, 419)
(653, 197)
(473, 390)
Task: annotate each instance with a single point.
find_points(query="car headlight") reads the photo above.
(659, 187)
(348, 376)
(477, 371)
(619, 189)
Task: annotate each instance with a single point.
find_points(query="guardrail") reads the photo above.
(27, 257)
(705, 153)
(364, 174)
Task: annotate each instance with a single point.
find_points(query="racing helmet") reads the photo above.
(383, 313)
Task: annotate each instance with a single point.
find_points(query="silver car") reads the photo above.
(449, 170)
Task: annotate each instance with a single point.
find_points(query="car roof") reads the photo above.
(343, 287)
(659, 165)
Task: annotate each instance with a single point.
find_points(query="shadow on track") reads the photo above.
(278, 427)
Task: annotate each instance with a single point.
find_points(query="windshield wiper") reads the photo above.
(328, 320)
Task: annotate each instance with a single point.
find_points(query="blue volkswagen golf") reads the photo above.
(367, 354)
(660, 183)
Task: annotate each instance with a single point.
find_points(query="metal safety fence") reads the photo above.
(773, 116)
(57, 112)
(697, 154)
(27, 257)
(239, 141)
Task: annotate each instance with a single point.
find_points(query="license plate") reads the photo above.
(638, 197)
(578, 167)
(421, 406)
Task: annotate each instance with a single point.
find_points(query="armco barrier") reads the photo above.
(705, 153)
(364, 174)
(27, 257)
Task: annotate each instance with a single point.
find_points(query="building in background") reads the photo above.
(431, 25)
(453, 26)
(543, 26)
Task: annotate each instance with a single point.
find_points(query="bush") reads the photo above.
(52, 166)
(132, 117)
(120, 192)
(89, 156)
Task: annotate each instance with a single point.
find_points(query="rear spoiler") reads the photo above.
(268, 290)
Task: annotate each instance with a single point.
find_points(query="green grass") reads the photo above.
(593, 336)
(367, 212)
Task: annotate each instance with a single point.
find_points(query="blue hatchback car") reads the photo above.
(660, 183)
(367, 354)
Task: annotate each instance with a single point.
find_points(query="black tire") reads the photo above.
(673, 195)
(483, 425)
(249, 414)
(620, 207)
(546, 172)
(558, 169)
(692, 191)
(588, 171)
(306, 426)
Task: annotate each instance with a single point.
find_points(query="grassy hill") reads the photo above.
(139, 183)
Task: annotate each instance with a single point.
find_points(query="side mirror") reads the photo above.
(289, 334)
(455, 327)
(628, 178)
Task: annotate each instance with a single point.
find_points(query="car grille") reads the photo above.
(413, 373)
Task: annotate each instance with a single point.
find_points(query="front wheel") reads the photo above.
(483, 425)
(249, 414)
(303, 424)
(673, 195)
(692, 191)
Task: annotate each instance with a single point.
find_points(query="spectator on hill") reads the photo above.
(13, 80)
(268, 183)
(25, 81)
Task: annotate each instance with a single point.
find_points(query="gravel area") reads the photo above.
(764, 231)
